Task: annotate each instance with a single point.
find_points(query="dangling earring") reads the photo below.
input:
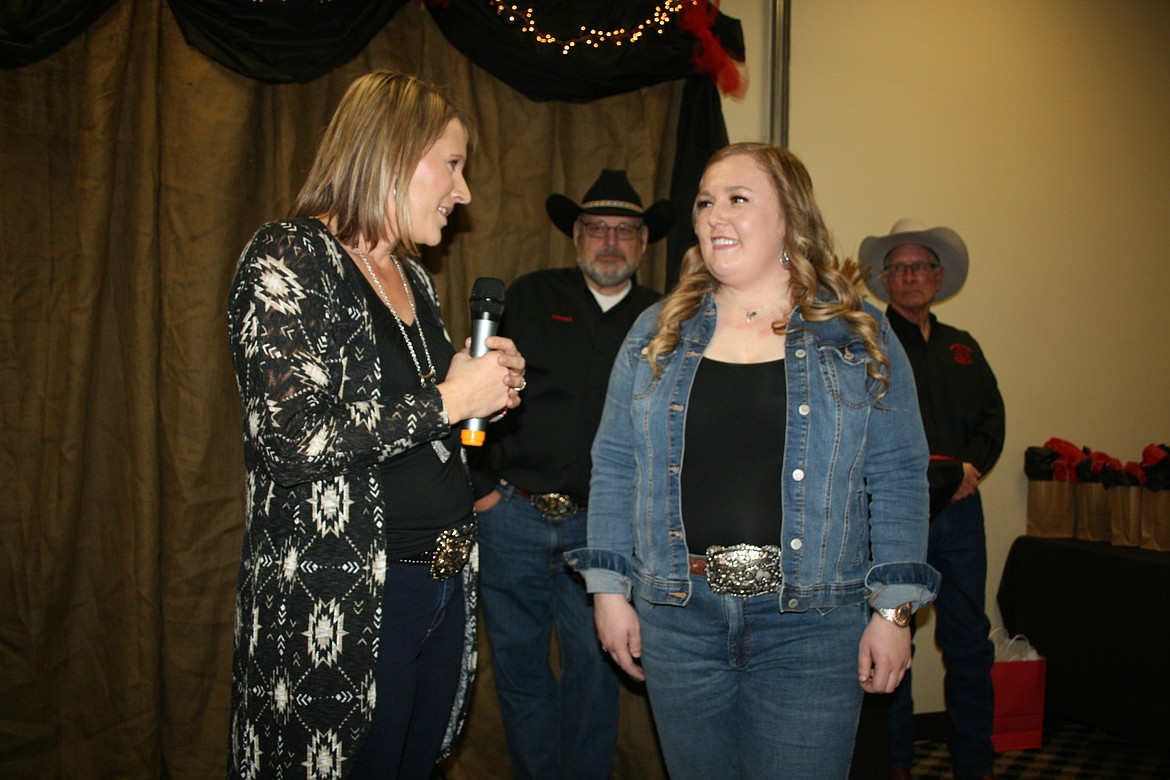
(785, 260)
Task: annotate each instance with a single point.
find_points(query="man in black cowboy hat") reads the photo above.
(569, 323)
(963, 414)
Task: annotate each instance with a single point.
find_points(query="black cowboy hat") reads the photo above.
(611, 195)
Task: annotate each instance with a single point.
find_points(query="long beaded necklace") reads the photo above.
(424, 378)
(427, 378)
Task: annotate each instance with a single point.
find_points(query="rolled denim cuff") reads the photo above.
(893, 584)
(604, 571)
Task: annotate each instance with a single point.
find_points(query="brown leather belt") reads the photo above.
(517, 490)
(697, 564)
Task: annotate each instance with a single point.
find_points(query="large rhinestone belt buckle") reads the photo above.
(555, 505)
(452, 551)
(743, 569)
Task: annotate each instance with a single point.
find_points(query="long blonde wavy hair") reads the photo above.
(816, 284)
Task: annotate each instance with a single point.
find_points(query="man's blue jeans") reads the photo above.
(742, 690)
(557, 729)
(958, 549)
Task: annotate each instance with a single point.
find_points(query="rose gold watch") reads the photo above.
(899, 615)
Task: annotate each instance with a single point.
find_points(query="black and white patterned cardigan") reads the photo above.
(312, 571)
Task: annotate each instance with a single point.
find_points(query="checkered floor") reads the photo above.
(1070, 751)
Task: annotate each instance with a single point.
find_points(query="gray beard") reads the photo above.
(612, 279)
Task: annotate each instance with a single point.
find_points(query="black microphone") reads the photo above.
(487, 306)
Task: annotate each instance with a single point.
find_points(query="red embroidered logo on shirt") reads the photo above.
(962, 354)
(562, 318)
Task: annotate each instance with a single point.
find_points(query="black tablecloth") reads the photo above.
(1101, 616)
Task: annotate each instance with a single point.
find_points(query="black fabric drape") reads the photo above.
(701, 132)
(31, 31)
(540, 71)
(298, 40)
(293, 40)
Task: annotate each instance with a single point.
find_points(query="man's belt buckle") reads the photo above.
(452, 551)
(743, 569)
(555, 505)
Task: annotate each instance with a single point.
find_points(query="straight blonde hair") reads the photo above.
(383, 126)
(816, 284)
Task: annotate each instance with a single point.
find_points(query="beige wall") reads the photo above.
(1040, 131)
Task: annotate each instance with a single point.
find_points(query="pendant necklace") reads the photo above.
(751, 313)
(425, 379)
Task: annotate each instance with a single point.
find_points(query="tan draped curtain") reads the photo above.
(134, 170)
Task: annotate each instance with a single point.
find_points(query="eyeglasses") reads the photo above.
(914, 269)
(625, 231)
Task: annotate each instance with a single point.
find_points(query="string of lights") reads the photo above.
(656, 23)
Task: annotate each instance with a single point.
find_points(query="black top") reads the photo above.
(733, 456)
(430, 495)
(962, 410)
(569, 345)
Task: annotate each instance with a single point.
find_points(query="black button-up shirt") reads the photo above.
(569, 345)
(962, 410)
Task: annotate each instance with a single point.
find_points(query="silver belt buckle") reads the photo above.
(743, 569)
(452, 551)
(555, 505)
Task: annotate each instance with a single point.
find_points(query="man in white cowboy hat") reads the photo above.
(963, 414)
(570, 323)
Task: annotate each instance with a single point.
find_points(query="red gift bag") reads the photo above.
(1019, 697)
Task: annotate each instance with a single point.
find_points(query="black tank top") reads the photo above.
(733, 454)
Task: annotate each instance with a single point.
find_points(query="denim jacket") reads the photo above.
(855, 501)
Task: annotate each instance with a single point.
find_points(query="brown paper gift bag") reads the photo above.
(1093, 522)
(1125, 514)
(1156, 520)
(1051, 509)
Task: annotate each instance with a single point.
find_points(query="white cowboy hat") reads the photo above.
(944, 242)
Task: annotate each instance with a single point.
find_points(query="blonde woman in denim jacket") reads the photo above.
(759, 491)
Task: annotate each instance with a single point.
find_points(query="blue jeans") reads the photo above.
(420, 649)
(958, 549)
(557, 729)
(742, 690)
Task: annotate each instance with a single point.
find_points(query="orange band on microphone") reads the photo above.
(472, 438)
